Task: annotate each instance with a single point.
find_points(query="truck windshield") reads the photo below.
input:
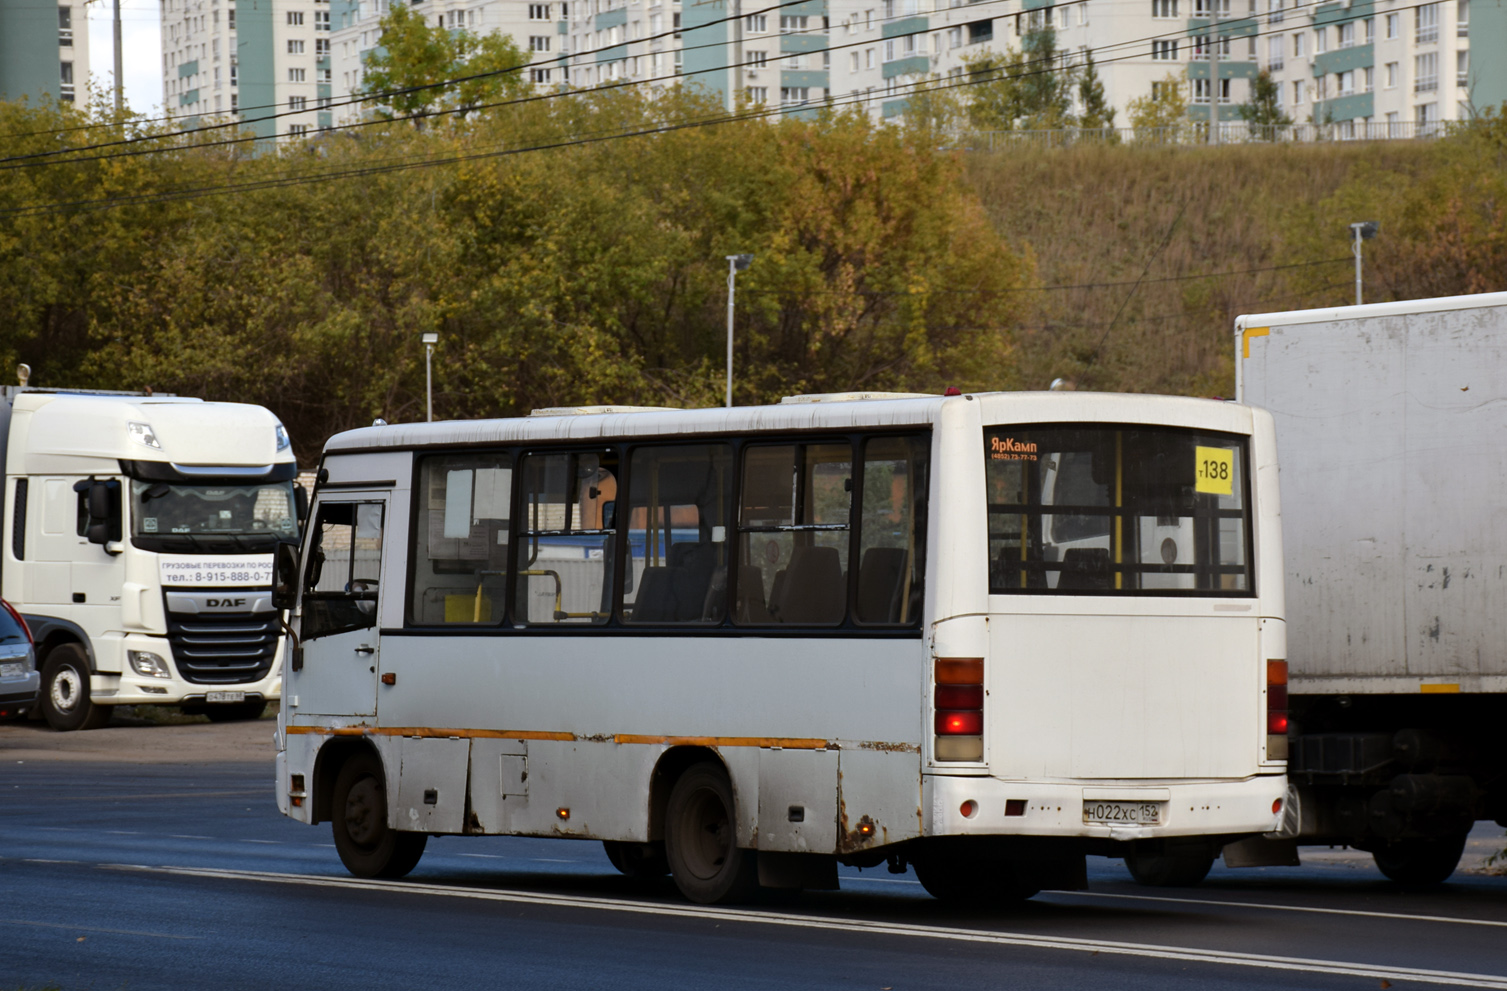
(1109, 509)
(161, 509)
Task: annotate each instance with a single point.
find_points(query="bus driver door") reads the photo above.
(342, 583)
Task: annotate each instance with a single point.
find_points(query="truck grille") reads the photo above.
(223, 648)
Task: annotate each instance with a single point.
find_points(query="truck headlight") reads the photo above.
(148, 665)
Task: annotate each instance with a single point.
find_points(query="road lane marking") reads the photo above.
(185, 836)
(39, 860)
(1404, 916)
(92, 929)
(268, 791)
(702, 912)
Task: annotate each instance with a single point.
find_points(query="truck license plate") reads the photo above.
(1123, 813)
(225, 697)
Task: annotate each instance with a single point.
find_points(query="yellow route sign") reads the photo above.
(1215, 471)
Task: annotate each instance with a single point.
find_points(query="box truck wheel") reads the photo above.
(1420, 863)
(65, 691)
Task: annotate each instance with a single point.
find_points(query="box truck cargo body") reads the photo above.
(139, 539)
(1392, 441)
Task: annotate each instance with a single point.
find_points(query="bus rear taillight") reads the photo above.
(1276, 710)
(958, 698)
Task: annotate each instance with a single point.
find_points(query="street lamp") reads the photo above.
(430, 340)
(1363, 231)
(735, 264)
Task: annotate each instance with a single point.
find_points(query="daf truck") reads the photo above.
(139, 538)
(1392, 443)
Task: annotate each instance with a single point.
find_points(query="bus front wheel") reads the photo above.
(65, 691)
(367, 845)
(701, 842)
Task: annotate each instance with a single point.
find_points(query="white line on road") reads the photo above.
(1146, 950)
(1405, 916)
(39, 860)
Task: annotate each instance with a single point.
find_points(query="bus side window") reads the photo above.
(793, 527)
(892, 531)
(345, 560)
(460, 557)
(678, 503)
(565, 539)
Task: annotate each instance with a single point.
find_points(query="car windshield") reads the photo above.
(161, 509)
(10, 630)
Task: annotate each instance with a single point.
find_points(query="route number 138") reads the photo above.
(1215, 470)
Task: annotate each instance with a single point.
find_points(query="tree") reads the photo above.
(1264, 110)
(1028, 89)
(1165, 107)
(1095, 111)
(411, 72)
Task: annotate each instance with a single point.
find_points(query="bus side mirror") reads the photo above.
(301, 503)
(285, 576)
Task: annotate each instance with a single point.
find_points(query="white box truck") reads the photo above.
(139, 536)
(1392, 441)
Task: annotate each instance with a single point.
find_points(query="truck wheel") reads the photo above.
(235, 712)
(65, 691)
(701, 841)
(367, 845)
(1420, 863)
(1169, 870)
(640, 861)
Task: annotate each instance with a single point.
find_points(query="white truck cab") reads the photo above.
(139, 536)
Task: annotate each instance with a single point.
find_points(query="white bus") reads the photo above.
(742, 646)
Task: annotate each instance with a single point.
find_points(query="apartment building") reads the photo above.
(266, 60)
(541, 29)
(44, 51)
(1387, 62)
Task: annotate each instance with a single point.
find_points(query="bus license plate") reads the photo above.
(1123, 813)
(225, 697)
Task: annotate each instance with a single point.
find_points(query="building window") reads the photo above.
(868, 58)
(852, 61)
(1346, 83)
(1394, 25)
(794, 96)
(1299, 44)
(1164, 51)
(234, 100)
(538, 43)
(1370, 78)
(1462, 68)
(1274, 11)
(756, 59)
(1297, 92)
(538, 11)
(1391, 75)
(297, 103)
(794, 62)
(757, 94)
(756, 24)
(954, 37)
(295, 18)
(322, 46)
(295, 47)
(295, 75)
(1426, 72)
(230, 22)
(1347, 35)
(1370, 30)
(321, 20)
(324, 76)
(323, 102)
(1320, 41)
(676, 25)
(65, 27)
(1426, 24)
(792, 25)
(541, 76)
(1274, 55)
(1462, 18)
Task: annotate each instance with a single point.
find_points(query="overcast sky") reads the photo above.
(141, 48)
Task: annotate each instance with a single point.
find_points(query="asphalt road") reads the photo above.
(185, 876)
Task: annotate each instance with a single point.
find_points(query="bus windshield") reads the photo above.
(160, 509)
(1109, 509)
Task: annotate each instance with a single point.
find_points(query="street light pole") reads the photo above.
(120, 83)
(430, 340)
(735, 264)
(1363, 231)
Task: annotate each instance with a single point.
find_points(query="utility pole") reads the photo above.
(430, 340)
(120, 82)
(735, 264)
(1363, 231)
(1213, 71)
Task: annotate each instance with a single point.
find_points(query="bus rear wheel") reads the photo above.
(1420, 863)
(1178, 869)
(966, 874)
(701, 841)
(367, 845)
(65, 691)
(640, 861)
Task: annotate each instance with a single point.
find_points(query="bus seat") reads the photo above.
(1085, 568)
(714, 603)
(751, 607)
(655, 602)
(692, 564)
(813, 590)
(881, 579)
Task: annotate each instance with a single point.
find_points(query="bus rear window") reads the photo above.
(1105, 509)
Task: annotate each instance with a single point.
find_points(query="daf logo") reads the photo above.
(225, 603)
